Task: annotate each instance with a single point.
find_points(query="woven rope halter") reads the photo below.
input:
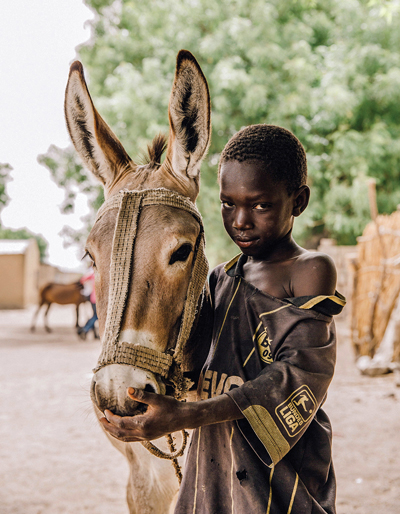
(167, 365)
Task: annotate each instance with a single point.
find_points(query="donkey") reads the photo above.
(63, 294)
(153, 277)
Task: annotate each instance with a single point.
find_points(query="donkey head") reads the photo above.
(165, 237)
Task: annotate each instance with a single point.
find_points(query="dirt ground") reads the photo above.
(54, 459)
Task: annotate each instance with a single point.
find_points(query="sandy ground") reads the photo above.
(54, 458)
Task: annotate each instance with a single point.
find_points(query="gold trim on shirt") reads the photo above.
(318, 299)
(293, 494)
(267, 431)
(197, 471)
(275, 310)
(232, 469)
(270, 491)
(248, 357)
(232, 262)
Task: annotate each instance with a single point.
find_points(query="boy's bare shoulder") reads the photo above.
(314, 274)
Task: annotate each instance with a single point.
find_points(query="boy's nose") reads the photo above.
(242, 220)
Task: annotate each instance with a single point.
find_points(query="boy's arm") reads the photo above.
(281, 402)
(165, 415)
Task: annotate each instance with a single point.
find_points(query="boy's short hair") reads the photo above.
(281, 151)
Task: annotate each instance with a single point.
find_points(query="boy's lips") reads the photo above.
(244, 242)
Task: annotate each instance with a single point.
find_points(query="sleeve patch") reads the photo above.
(297, 410)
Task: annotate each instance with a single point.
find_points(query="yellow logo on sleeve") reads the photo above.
(297, 410)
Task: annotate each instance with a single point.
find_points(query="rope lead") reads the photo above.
(169, 456)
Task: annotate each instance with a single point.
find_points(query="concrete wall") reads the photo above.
(22, 275)
(19, 272)
(49, 273)
(12, 281)
(31, 273)
(66, 277)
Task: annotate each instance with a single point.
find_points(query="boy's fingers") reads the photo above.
(118, 421)
(119, 432)
(131, 392)
(112, 418)
(142, 396)
(124, 422)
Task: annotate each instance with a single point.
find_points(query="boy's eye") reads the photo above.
(262, 206)
(227, 204)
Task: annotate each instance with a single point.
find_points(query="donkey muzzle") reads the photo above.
(109, 388)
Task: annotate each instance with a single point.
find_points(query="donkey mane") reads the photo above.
(155, 151)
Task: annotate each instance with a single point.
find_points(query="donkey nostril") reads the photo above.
(150, 389)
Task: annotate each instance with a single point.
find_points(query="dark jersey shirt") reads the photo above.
(275, 359)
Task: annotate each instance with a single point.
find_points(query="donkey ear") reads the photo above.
(189, 118)
(96, 144)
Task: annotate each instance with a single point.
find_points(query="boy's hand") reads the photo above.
(165, 415)
(161, 418)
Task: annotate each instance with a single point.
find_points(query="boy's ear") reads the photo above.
(301, 199)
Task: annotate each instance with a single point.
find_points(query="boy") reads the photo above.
(262, 444)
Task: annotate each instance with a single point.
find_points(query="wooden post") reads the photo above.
(373, 206)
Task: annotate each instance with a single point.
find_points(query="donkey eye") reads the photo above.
(87, 254)
(181, 254)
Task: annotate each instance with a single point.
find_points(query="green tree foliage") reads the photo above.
(329, 70)
(4, 178)
(67, 171)
(21, 233)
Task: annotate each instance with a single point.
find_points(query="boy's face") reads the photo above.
(257, 211)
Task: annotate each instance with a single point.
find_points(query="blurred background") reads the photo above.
(328, 70)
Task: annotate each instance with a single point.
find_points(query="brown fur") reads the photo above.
(159, 282)
(63, 294)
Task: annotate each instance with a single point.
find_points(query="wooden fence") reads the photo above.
(376, 283)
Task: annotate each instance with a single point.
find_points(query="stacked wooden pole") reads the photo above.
(376, 280)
